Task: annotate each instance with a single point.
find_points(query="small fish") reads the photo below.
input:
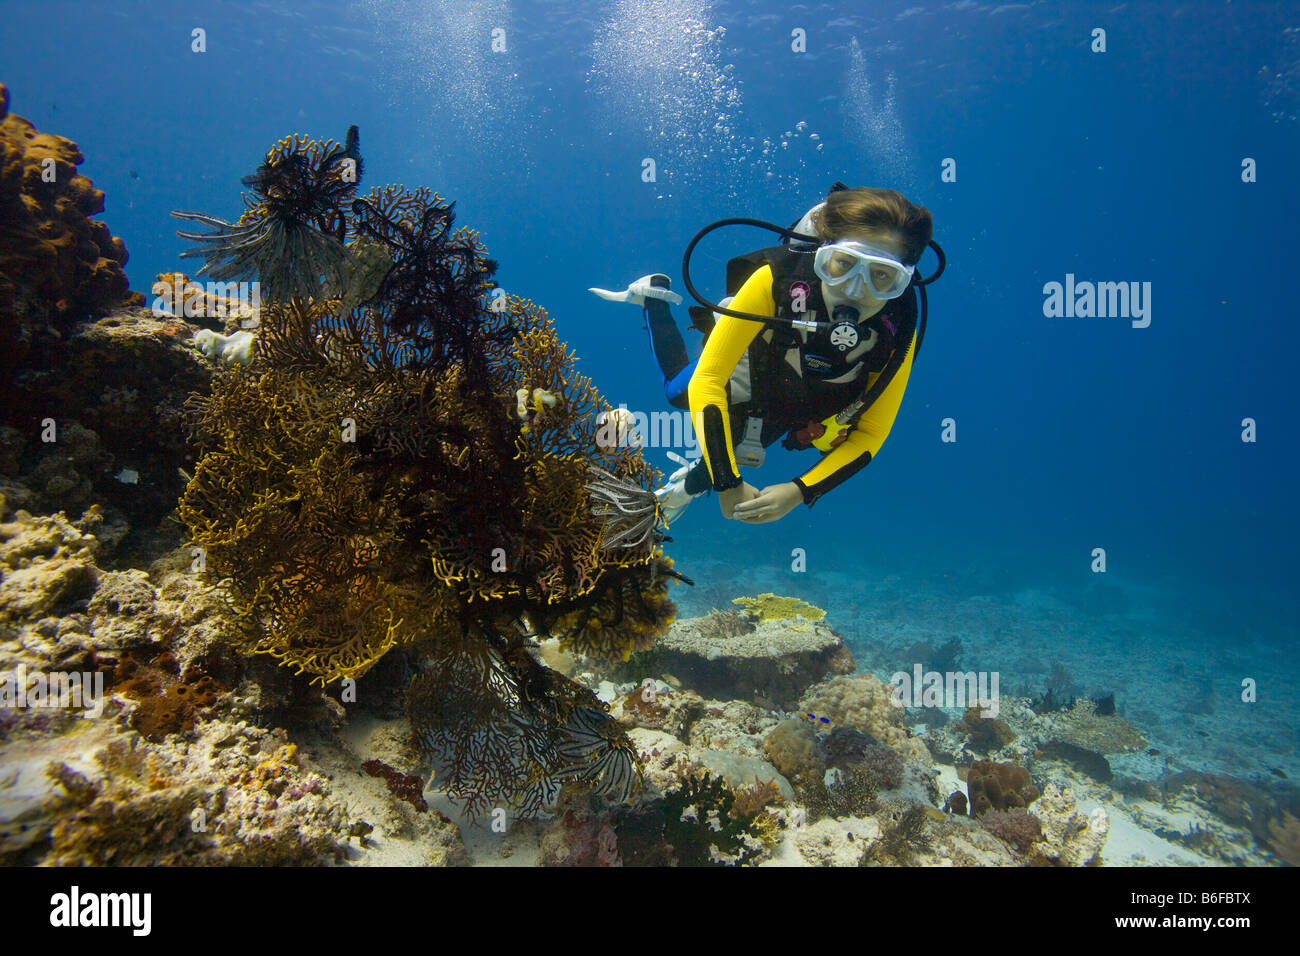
(133, 174)
(670, 679)
(1278, 772)
(1153, 752)
(127, 476)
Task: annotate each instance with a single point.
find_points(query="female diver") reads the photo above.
(821, 356)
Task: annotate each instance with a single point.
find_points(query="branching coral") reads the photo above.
(367, 482)
(703, 826)
(902, 835)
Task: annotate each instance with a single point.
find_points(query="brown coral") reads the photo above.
(53, 256)
(404, 786)
(1284, 838)
(167, 703)
(998, 786)
(986, 733)
(1016, 827)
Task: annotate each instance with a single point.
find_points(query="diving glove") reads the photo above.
(672, 497)
(642, 289)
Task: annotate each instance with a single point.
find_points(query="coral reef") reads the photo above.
(104, 424)
(167, 702)
(236, 796)
(176, 293)
(1081, 726)
(835, 842)
(723, 624)
(404, 786)
(841, 793)
(48, 566)
(903, 835)
(582, 839)
(366, 484)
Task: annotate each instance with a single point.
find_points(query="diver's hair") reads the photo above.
(851, 210)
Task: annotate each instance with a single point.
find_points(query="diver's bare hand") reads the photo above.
(770, 504)
(732, 497)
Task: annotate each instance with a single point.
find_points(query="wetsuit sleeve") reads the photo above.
(708, 389)
(864, 441)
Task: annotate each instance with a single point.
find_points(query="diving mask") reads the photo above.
(853, 267)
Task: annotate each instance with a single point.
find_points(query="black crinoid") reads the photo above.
(433, 295)
(292, 236)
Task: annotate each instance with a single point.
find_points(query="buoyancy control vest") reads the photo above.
(807, 376)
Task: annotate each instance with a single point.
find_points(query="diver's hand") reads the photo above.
(733, 497)
(638, 292)
(773, 502)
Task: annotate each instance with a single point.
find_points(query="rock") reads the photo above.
(836, 842)
(775, 660)
(1070, 837)
(740, 771)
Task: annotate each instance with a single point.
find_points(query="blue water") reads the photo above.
(1073, 433)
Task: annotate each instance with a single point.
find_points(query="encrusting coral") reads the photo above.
(772, 607)
(367, 482)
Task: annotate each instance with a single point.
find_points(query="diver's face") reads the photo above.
(866, 303)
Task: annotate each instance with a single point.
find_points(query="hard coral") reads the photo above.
(986, 733)
(54, 259)
(862, 702)
(793, 749)
(770, 607)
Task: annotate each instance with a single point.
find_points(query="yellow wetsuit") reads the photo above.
(726, 346)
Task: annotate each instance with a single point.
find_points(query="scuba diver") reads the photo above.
(815, 342)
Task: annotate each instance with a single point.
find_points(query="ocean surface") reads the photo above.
(1159, 152)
